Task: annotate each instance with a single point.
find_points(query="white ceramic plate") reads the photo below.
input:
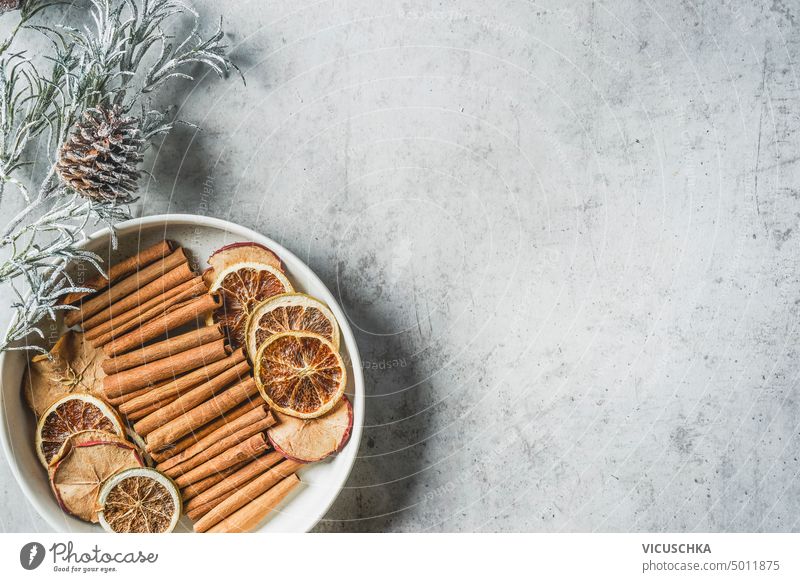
(200, 236)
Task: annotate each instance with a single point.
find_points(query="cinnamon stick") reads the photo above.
(156, 307)
(120, 399)
(189, 402)
(200, 415)
(245, 509)
(162, 324)
(137, 415)
(250, 419)
(125, 287)
(180, 385)
(204, 501)
(188, 440)
(168, 347)
(197, 488)
(122, 311)
(220, 446)
(246, 450)
(123, 269)
(171, 367)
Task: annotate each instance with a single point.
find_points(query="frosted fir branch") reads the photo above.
(47, 287)
(65, 221)
(121, 56)
(173, 61)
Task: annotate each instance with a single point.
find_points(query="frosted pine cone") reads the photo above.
(101, 156)
(9, 5)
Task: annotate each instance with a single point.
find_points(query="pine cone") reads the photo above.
(9, 5)
(101, 157)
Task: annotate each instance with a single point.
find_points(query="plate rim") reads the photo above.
(140, 223)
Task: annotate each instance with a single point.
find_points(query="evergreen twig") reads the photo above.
(120, 57)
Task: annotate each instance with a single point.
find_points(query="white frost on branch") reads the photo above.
(123, 55)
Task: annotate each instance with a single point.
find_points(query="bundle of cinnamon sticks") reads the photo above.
(187, 394)
(155, 292)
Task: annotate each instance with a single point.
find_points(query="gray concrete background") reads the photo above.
(565, 232)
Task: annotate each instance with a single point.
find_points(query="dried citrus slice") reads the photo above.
(78, 476)
(240, 252)
(241, 287)
(139, 501)
(313, 439)
(71, 414)
(72, 366)
(290, 312)
(300, 373)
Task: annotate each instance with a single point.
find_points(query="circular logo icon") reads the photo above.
(31, 555)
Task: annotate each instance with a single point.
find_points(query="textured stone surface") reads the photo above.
(565, 232)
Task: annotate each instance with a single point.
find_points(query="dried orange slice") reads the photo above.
(241, 287)
(290, 312)
(139, 501)
(78, 476)
(240, 252)
(300, 373)
(71, 414)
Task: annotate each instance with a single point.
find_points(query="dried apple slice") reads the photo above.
(72, 366)
(242, 286)
(71, 414)
(84, 436)
(314, 439)
(79, 475)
